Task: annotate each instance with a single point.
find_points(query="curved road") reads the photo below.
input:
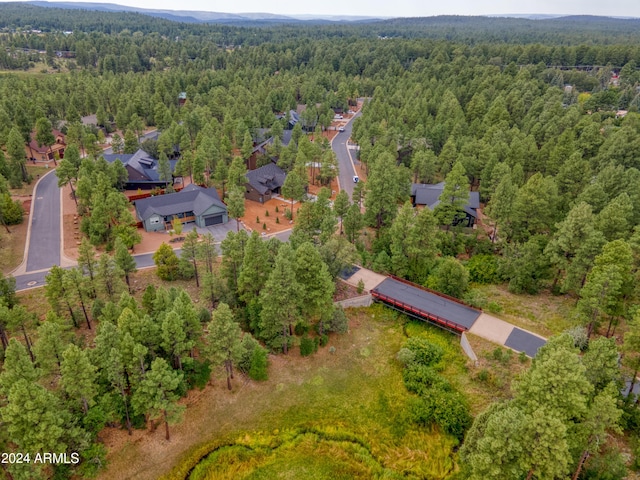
(44, 225)
(346, 170)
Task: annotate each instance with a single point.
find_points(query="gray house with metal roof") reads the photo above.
(263, 182)
(192, 204)
(142, 169)
(428, 195)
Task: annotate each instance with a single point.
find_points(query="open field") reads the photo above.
(347, 406)
(544, 314)
(12, 249)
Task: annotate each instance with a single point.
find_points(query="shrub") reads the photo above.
(197, 373)
(308, 346)
(278, 220)
(426, 353)
(406, 356)
(475, 298)
(287, 214)
(249, 344)
(494, 307)
(483, 269)
(167, 262)
(339, 322)
(419, 379)
(11, 210)
(186, 269)
(360, 287)
(450, 277)
(301, 328)
(277, 210)
(447, 409)
(264, 226)
(259, 364)
(324, 339)
(266, 214)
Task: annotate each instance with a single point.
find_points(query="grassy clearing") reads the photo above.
(328, 413)
(12, 246)
(544, 314)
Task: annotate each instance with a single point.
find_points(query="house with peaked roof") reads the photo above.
(142, 169)
(192, 204)
(46, 153)
(428, 195)
(264, 182)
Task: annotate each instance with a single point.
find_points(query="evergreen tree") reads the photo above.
(256, 267)
(294, 187)
(279, 299)
(166, 262)
(224, 342)
(190, 252)
(341, 205)
(235, 204)
(124, 260)
(18, 366)
(454, 196)
(156, 394)
(315, 283)
(78, 377)
(51, 344)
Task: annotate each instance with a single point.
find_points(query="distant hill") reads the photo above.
(193, 16)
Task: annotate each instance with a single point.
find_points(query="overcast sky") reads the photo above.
(397, 8)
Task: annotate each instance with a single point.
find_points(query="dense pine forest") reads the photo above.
(539, 117)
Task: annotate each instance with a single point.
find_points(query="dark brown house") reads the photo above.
(264, 182)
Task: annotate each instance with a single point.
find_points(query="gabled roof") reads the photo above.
(33, 144)
(141, 166)
(268, 177)
(429, 195)
(191, 198)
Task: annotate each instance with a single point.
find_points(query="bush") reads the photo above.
(475, 298)
(301, 328)
(447, 409)
(167, 262)
(426, 353)
(11, 210)
(186, 269)
(266, 214)
(405, 356)
(259, 364)
(494, 307)
(339, 322)
(483, 269)
(308, 346)
(264, 226)
(249, 344)
(360, 287)
(287, 214)
(278, 220)
(197, 373)
(450, 277)
(419, 379)
(324, 339)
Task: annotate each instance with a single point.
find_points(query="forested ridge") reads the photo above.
(539, 117)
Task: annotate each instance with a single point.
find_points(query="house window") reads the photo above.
(154, 221)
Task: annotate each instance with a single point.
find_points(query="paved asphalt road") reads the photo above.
(345, 166)
(44, 245)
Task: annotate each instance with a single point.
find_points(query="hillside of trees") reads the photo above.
(539, 117)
